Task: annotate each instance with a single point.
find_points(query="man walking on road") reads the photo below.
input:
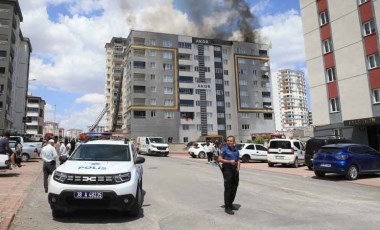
(48, 155)
(229, 157)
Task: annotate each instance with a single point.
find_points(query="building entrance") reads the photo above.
(373, 132)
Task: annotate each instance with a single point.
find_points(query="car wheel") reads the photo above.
(136, 207)
(270, 164)
(57, 213)
(352, 173)
(245, 159)
(25, 157)
(202, 155)
(295, 164)
(319, 173)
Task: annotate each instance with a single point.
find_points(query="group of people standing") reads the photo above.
(49, 153)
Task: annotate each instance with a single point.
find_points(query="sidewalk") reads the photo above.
(14, 185)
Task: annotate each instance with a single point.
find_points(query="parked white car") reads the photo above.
(197, 150)
(4, 162)
(29, 149)
(251, 151)
(286, 151)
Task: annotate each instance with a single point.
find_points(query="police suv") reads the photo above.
(102, 174)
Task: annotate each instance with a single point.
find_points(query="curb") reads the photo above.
(7, 221)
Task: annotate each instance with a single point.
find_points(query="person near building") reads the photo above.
(64, 151)
(48, 155)
(229, 157)
(5, 149)
(18, 152)
(209, 149)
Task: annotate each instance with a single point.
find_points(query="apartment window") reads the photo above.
(218, 59)
(330, 74)
(153, 77)
(243, 93)
(229, 127)
(153, 101)
(226, 83)
(241, 61)
(153, 89)
(225, 51)
(225, 72)
(220, 103)
(153, 65)
(220, 115)
(257, 115)
(184, 45)
(221, 127)
(152, 42)
(228, 104)
(217, 48)
(267, 116)
(3, 54)
(245, 126)
(166, 43)
(225, 61)
(169, 115)
(207, 103)
(219, 81)
(255, 83)
(337, 132)
(244, 104)
(168, 90)
(168, 66)
(334, 105)
(185, 127)
(167, 55)
(243, 82)
(168, 78)
(218, 70)
(227, 93)
(323, 18)
(327, 46)
(376, 96)
(368, 28)
(210, 127)
(169, 102)
(153, 114)
(219, 92)
(361, 1)
(374, 61)
(152, 53)
(189, 91)
(244, 115)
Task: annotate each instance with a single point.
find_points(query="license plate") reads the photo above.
(279, 157)
(326, 165)
(88, 195)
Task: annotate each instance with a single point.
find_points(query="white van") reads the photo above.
(286, 151)
(152, 145)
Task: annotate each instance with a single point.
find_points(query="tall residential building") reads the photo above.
(14, 67)
(73, 133)
(182, 87)
(289, 99)
(51, 128)
(35, 109)
(98, 128)
(342, 51)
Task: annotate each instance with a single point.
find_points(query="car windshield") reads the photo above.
(157, 140)
(329, 150)
(280, 144)
(94, 152)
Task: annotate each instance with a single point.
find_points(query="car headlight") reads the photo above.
(60, 177)
(122, 177)
(341, 157)
(154, 146)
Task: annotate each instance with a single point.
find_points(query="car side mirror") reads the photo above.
(140, 160)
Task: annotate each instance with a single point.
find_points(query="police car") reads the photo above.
(101, 174)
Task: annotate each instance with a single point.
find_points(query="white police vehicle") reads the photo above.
(103, 175)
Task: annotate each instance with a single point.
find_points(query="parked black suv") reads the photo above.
(313, 145)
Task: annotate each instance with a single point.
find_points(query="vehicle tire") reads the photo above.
(57, 213)
(319, 173)
(270, 164)
(25, 157)
(295, 164)
(352, 173)
(245, 158)
(136, 207)
(310, 167)
(202, 155)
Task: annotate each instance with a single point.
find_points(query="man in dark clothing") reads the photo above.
(229, 157)
(5, 149)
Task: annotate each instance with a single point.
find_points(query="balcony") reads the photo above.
(138, 77)
(138, 89)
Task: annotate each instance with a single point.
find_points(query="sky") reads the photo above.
(68, 37)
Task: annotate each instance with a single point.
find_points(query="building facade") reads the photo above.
(289, 100)
(183, 87)
(35, 111)
(73, 133)
(15, 52)
(51, 129)
(342, 52)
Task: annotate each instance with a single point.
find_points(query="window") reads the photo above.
(361, 1)
(221, 127)
(327, 46)
(152, 65)
(168, 78)
(229, 116)
(153, 114)
(217, 48)
(245, 126)
(153, 77)
(153, 101)
(374, 61)
(229, 127)
(152, 42)
(185, 127)
(166, 43)
(152, 53)
(220, 115)
(168, 90)
(368, 28)
(220, 103)
(225, 72)
(184, 45)
(323, 18)
(228, 104)
(219, 81)
(225, 61)
(219, 92)
(334, 105)
(218, 59)
(153, 89)
(227, 93)
(243, 82)
(243, 93)
(376, 96)
(168, 66)
(218, 70)
(169, 114)
(3, 54)
(330, 74)
(168, 102)
(244, 115)
(226, 83)
(337, 132)
(167, 55)
(267, 116)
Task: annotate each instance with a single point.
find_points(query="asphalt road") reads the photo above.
(184, 194)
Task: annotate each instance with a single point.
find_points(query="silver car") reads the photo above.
(29, 150)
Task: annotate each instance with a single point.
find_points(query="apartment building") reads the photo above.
(182, 87)
(342, 52)
(35, 111)
(289, 100)
(73, 133)
(15, 52)
(51, 128)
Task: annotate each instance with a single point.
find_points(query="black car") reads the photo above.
(313, 145)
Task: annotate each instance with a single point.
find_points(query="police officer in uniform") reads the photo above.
(229, 157)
